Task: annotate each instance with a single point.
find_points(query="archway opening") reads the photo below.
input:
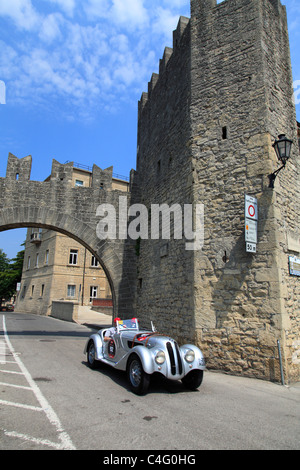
(58, 267)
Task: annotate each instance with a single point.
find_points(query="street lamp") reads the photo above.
(282, 147)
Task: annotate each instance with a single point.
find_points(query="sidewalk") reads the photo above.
(93, 319)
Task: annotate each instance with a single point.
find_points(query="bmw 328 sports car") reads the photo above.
(142, 353)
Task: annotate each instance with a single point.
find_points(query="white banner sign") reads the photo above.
(251, 218)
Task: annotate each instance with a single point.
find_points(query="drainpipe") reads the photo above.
(83, 277)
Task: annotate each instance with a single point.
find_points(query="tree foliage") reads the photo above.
(10, 274)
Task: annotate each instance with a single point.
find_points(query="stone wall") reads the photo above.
(165, 269)
(56, 205)
(205, 135)
(64, 310)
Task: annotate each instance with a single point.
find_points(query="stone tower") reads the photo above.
(205, 133)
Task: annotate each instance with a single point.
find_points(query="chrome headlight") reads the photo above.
(189, 356)
(160, 357)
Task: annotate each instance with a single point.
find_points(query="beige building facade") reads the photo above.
(57, 267)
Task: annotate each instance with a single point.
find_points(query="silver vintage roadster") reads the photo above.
(142, 353)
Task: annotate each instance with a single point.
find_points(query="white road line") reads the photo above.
(20, 405)
(15, 386)
(65, 439)
(11, 372)
(24, 437)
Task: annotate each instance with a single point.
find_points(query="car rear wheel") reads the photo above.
(193, 379)
(137, 377)
(91, 355)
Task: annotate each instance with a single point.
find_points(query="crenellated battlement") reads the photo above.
(18, 169)
(168, 52)
(165, 59)
(102, 178)
(62, 172)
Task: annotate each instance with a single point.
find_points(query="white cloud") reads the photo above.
(129, 14)
(165, 22)
(21, 12)
(50, 27)
(85, 55)
(78, 62)
(97, 8)
(68, 6)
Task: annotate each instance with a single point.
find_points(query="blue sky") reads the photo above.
(74, 71)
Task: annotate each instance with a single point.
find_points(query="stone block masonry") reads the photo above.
(205, 134)
(57, 205)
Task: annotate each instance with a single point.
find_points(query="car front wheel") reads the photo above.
(193, 379)
(137, 377)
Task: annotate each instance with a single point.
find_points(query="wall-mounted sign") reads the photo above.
(250, 247)
(251, 211)
(251, 231)
(294, 264)
(251, 217)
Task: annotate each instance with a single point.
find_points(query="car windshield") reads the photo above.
(131, 324)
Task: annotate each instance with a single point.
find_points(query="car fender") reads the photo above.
(96, 338)
(199, 362)
(146, 358)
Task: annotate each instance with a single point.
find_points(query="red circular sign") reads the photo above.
(251, 211)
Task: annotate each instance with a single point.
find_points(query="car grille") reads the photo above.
(175, 359)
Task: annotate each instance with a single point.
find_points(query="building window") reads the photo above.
(23, 292)
(47, 257)
(37, 260)
(71, 291)
(78, 183)
(28, 262)
(42, 290)
(32, 291)
(94, 262)
(73, 257)
(93, 293)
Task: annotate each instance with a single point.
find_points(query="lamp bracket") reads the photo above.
(273, 175)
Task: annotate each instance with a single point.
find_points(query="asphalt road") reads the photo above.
(50, 399)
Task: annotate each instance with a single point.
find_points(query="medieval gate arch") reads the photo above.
(56, 205)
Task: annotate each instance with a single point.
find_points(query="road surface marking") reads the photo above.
(11, 372)
(24, 437)
(15, 386)
(20, 405)
(65, 440)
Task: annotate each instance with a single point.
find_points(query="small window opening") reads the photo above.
(224, 133)
(17, 176)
